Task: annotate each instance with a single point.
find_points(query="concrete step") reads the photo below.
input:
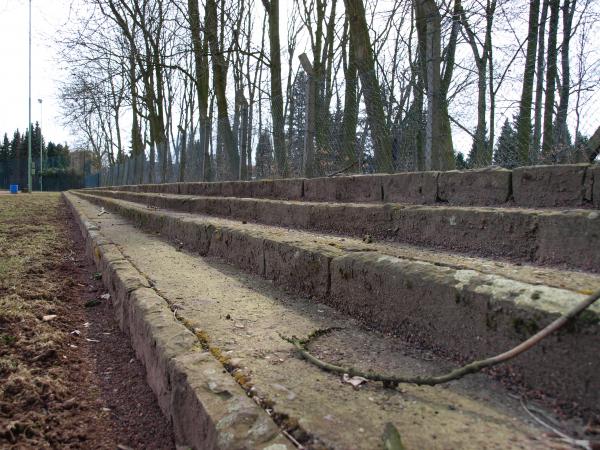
(565, 186)
(543, 236)
(236, 319)
(463, 307)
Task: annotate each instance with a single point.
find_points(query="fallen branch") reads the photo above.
(476, 366)
(348, 167)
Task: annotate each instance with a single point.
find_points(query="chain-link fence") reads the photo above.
(338, 142)
(69, 171)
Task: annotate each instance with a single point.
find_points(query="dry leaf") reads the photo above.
(355, 382)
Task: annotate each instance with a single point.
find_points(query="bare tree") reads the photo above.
(361, 41)
(524, 118)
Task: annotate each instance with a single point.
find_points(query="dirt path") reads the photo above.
(68, 377)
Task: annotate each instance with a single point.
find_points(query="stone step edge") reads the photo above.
(568, 185)
(198, 399)
(472, 314)
(529, 235)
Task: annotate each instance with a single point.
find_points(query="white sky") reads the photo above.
(51, 15)
(47, 16)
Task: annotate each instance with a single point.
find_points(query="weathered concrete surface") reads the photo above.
(568, 186)
(349, 275)
(580, 233)
(550, 186)
(484, 231)
(526, 234)
(413, 187)
(282, 189)
(359, 188)
(475, 187)
(241, 317)
(594, 189)
(207, 408)
(487, 314)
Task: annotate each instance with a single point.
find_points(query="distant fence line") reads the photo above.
(56, 175)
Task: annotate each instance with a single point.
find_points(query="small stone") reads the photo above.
(49, 317)
(70, 403)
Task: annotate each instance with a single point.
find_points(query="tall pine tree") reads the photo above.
(506, 152)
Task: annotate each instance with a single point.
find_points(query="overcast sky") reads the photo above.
(47, 16)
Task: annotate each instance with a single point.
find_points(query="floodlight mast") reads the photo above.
(29, 123)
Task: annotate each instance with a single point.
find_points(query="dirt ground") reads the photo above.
(68, 377)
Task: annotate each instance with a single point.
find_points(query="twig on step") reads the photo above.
(474, 367)
(293, 440)
(581, 443)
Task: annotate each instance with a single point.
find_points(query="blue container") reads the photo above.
(14, 188)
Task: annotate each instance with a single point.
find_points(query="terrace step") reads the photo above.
(543, 236)
(464, 307)
(565, 186)
(182, 297)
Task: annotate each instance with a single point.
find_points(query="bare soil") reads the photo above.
(68, 376)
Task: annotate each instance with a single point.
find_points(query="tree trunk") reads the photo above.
(360, 40)
(243, 136)
(539, 89)
(350, 119)
(201, 66)
(524, 121)
(272, 8)
(480, 156)
(438, 154)
(137, 145)
(219, 83)
(562, 131)
(308, 157)
(551, 73)
(182, 155)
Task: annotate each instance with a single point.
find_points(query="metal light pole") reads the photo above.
(41, 144)
(29, 125)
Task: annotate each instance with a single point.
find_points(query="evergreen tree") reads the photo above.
(58, 155)
(264, 155)
(475, 159)
(505, 154)
(580, 139)
(19, 148)
(5, 155)
(297, 123)
(5, 162)
(15, 144)
(461, 163)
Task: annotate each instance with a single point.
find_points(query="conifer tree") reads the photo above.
(506, 153)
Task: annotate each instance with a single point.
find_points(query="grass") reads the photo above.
(33, 244)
